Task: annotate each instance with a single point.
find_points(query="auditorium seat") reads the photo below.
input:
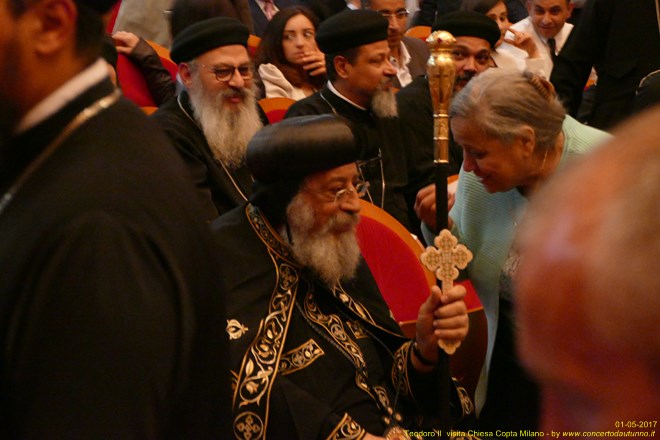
(132, 81)
(392, 254)
(421, 32)
(275, 108)
(253, 44)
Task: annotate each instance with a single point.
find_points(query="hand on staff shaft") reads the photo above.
(442, 316)
(425, 206)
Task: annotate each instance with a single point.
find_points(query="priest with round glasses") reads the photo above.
(315, 352)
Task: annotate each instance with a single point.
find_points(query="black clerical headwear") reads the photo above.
(298, 147)
(349, 29)
(200, 37)
(281, 155)
(469, 24)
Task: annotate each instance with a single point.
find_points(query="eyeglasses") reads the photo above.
(400, 14)
(359, 188)
(226, 73)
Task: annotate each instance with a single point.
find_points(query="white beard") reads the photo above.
(383, 104)
(227, 132)
(333, 257)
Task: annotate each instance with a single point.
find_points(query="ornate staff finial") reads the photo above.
(441, 72)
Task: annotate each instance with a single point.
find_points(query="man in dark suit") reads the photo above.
(620, 40)
(111, 325)
(263, 10)
(408, 55)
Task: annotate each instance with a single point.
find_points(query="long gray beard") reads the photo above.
(227, 132)
(383, 104)
(333, 258)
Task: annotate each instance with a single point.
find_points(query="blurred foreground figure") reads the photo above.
(588, 287)
(106, 262)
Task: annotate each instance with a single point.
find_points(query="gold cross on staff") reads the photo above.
(445, 259)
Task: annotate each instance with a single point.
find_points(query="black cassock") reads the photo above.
(108, 281)
(416, 113)
(297, 346)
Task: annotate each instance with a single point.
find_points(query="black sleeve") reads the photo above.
(158, 78)
(585, 48)
(302, 108)
(98, 336)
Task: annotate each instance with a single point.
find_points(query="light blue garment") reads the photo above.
(485, 223)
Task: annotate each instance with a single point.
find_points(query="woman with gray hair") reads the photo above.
(515, 134)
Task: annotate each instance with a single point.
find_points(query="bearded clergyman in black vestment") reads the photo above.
(360, 88)
(109, 308)
(315, 351)
(213, 119)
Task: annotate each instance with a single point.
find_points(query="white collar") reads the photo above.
(333, 90)
(63, 95)
(402, 71)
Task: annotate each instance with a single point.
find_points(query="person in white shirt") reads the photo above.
(497, 11)
(546, 26)
(408, 55)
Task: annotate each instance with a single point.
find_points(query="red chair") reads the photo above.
(132, 81)
(392, 254)
(275, 108)
(421, 32)
(253, 44)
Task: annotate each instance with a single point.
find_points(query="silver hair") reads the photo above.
(501, 102)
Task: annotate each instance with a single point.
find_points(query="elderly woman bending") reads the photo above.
(514, 134)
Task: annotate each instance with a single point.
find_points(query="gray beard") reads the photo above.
(383, 104)
(333, 258)
(227, 132)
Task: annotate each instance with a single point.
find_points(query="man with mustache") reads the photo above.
(212, 121)
(360, 88)
(476, 36)
(315, 352)
(407, 54)
(548, 28)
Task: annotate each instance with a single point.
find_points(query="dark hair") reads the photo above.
(270, 48)
(480, 6)
(89, 28)
(187, 12)
(350, 55)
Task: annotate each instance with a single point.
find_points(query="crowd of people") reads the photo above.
(197, 274)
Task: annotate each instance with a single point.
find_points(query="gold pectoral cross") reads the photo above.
(445, 259)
